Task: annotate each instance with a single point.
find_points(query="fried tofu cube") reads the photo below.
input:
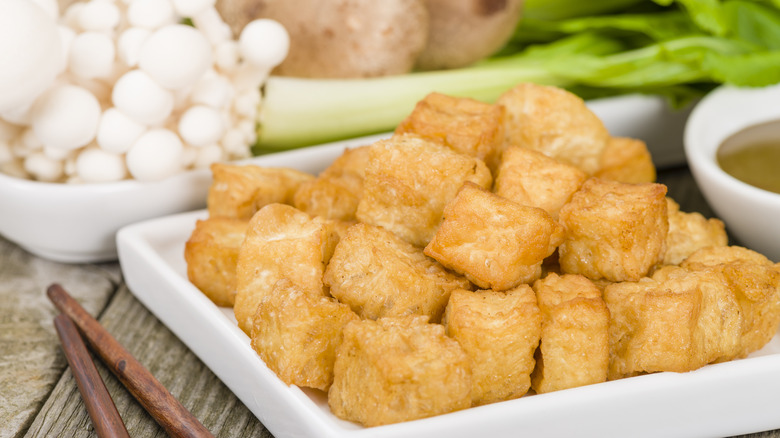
(689, 232)
(555, 122)
(466, 125)
(297, 334)
(574, 347)
(499, 331)
(754, 280)
(336, 192)
(281, 242)
(496, 243)
(238, 191)
(677, 320)
(529, 177)
(211, 254)
(408, 182)
(398, 369)
(614, 230)
(378, 274)
(626, 160)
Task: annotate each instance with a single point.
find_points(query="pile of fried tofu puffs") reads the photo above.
(482, 253)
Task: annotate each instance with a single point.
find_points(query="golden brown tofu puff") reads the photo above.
(211, 254)
(496, 243)
(336, 192)
(677, 320)
(756, 283)
(531, 178)
(689, 232)
(499, 331)
(297, 334)
(281, 242)
(555, 122)
(398, 369)
(378, 274)
(574, 347)
(626, 160)
(614, 230)
(466, 125)
(238, 191)
(408, 182)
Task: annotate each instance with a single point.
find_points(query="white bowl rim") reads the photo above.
(701, 152)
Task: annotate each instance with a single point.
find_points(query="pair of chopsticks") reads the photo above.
(153, 396)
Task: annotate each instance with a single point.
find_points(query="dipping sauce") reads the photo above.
(753, 156)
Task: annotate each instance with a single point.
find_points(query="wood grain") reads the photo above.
(31, 360)
(155, 398)
(100, 406)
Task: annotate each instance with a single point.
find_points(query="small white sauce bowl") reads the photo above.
(752, 215)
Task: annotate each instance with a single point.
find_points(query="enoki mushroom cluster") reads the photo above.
(108, 90)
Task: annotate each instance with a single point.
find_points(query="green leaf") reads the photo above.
(748, 70)
(754, 22)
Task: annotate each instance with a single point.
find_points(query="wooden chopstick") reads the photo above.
(153, 396)
(100, 406)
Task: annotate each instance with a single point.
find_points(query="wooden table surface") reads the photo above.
(38, 395)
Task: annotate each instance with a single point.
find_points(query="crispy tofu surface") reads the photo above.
(689, 232)
(574, 347)
(297, 334)
(499, 331)
(211, 254)
(496, 243)
(408, 182)
(336, 192)
(238, 191)
(281, 242)
(626, 160)
(555, 122)
(614, 230)
(465, 125)
(378, 274)
(398, 369)
(531, 178)
(754, 280)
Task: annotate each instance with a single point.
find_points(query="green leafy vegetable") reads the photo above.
(676, 48)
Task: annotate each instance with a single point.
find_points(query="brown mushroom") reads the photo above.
(465, 31)
(340, 38)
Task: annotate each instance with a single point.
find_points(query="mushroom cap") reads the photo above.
(97, 165)
(191, 8)
(99, 16)
(129, 44)
(201, 125)
(91, 55)
(117, 132)
(150, 13)
(340, 38)
(465, 31)
(141, 98)
(157, 154)
(30, 53)
(176, 56)
(66, 117)
(264, 43)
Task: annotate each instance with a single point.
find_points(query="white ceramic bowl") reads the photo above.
(78, 223)
(752, 215)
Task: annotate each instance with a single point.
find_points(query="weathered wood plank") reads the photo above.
(31, 360)
(171, 362)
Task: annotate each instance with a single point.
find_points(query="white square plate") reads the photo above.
(718, 400)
